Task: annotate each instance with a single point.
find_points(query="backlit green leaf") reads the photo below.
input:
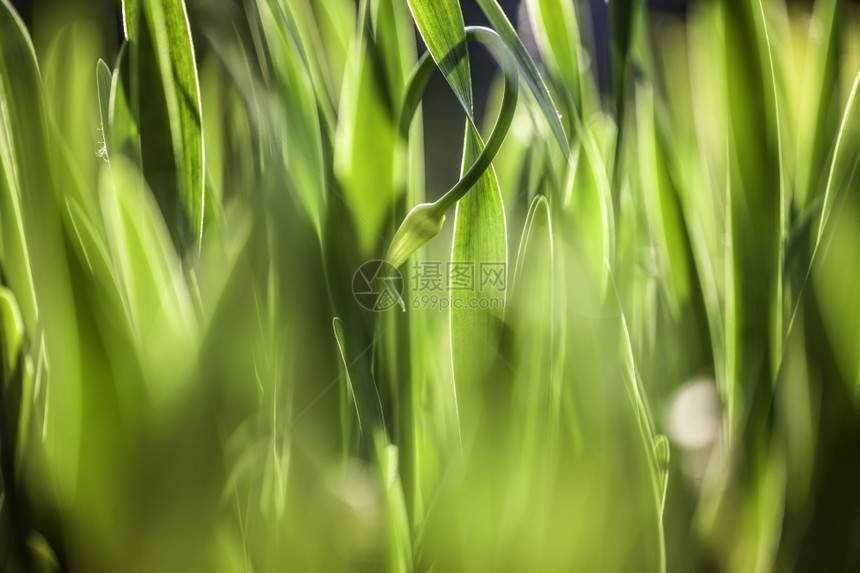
(441, 25)
(480, 244)
(528, 69)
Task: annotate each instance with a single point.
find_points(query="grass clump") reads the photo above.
(631, 348)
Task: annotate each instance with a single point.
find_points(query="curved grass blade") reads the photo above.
(425, 220)
(532, 315)
(348, 396)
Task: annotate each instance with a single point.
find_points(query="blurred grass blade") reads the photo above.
(661, 209)
(624, 19)
(365, 148)
(348, 396)
(441, 25)
(528, 69)
(848, 119)
(11, 333)
(122, 125)
(19, 105)
(26, 160)
(661, 457)
(557, 33)
(400, 557)
(300, 127)
(532, 315)
(154, 293)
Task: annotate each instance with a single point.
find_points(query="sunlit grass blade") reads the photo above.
(442, 28)
(28, 154)
(557, 33)
(299, 130)
(661, 207)
(122, 125)
(11, 332)
(841, 168)
(156, 299)
(532, 313)
(400, 558)
(170, 123)
(18, 75)
(528, 69)
(480, 244)
(348, 400)
(365, 149)
(814, 112)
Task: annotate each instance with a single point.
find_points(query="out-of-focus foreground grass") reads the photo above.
(190, 384)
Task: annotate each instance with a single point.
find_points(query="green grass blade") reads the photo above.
(528, 69)
(848, 119)
(661, 210)
(173, 156)
(300, 127)
(130, 18)
(122, 125)
(365, 155)
(480, 242)
(154, 294)
(441, 25)
(11, 333)
(557, 33)
(19, 105)
(532, 314)
(348, 396)
(52, 307)
(425, 220)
